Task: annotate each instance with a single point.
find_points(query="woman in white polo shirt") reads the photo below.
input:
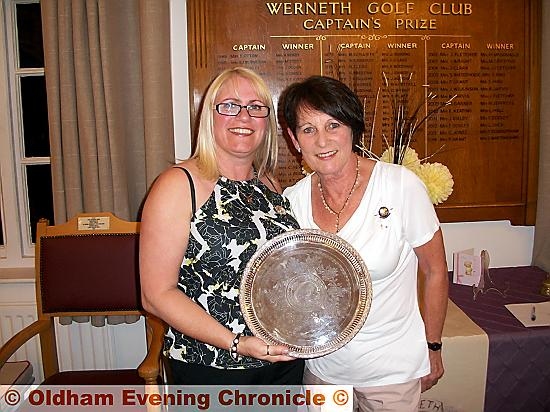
(383, 210)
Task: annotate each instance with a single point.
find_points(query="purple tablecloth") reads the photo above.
(518, 369)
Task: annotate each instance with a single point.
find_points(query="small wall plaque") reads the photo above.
(94, 223)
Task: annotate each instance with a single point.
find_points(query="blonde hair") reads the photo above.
(205, 153)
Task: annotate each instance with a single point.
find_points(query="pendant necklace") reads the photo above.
(331, 210)
(248, 197)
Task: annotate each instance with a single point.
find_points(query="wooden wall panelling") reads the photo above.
(487, 52)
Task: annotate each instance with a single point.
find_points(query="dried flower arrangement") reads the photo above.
(407, 116)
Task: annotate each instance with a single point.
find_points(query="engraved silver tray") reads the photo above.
(306, 289)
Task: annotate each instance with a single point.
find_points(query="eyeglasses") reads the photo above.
(233, 109)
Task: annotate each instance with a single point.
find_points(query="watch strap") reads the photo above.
(435, 346)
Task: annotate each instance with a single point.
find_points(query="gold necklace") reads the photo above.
(331, 210)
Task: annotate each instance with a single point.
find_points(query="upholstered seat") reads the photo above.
(96, 377)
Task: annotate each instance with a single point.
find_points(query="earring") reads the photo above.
(299, 149)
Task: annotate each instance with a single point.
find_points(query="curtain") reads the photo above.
(541, 248)
(107, 68)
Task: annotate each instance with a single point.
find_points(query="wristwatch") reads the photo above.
(435, 346)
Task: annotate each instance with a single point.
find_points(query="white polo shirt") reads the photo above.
(391, 346)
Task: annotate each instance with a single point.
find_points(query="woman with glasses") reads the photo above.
(202, 221)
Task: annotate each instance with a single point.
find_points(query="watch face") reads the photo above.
(435, 346)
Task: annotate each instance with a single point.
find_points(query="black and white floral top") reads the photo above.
(237, 218)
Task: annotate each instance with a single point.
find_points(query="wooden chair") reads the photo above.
(88, 266)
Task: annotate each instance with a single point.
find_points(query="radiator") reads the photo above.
(83, 346)
(13, 318)
(80, 345)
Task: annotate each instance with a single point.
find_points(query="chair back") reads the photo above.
(88, 266)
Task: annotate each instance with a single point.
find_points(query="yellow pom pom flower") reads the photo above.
(410, 160)
(438, 180)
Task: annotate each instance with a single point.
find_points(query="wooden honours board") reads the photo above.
(486, 52)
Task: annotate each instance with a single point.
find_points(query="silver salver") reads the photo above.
(306, 289)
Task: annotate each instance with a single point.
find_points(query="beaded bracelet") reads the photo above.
(233, 348)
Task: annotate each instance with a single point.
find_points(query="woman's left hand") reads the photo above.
(436, 371)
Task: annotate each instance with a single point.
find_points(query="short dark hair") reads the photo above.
(326, 95)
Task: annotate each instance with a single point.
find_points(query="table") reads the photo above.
(465, 354)
(518, 369)
(515, 374)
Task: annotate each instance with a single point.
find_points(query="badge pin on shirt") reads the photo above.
(383, 213)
